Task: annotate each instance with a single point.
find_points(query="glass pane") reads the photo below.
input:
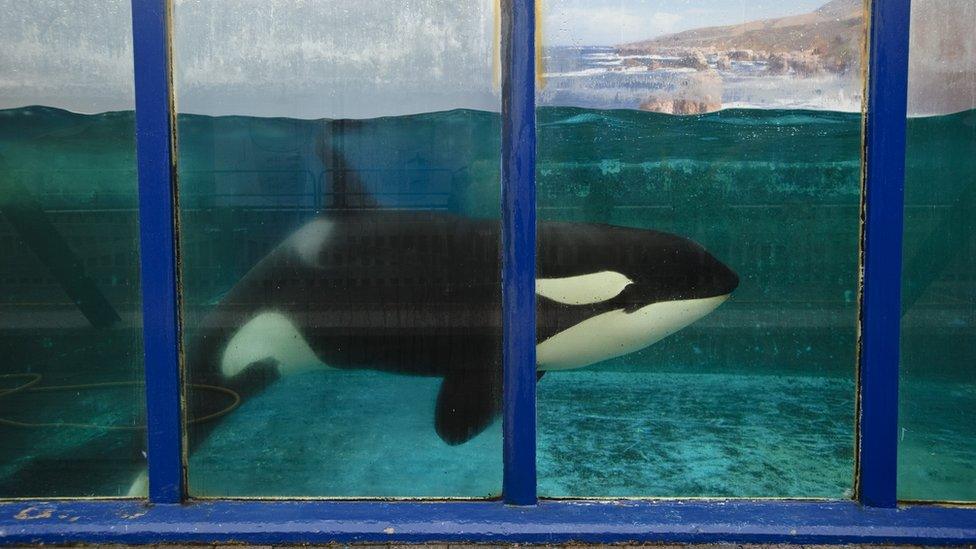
(937, 444)
(339, 239)
(71, 394)
(733, 128)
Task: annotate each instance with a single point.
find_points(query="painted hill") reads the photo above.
(830, 34)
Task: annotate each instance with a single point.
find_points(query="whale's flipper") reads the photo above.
(140, 486)
(466, 405)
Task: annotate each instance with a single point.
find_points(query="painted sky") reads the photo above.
(312, 58)
(364, 58)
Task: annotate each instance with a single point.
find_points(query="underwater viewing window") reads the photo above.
(339, 248)
(720, 148)
(493, 271)
(72, 401)
(937, 427)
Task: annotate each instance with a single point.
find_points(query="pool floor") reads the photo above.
(601, 433)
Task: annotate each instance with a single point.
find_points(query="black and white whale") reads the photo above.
(418, 293)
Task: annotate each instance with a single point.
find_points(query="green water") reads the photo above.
(71, 179)
(756, 399)
(937, 439)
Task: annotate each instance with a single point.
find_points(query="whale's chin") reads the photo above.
(617, 333)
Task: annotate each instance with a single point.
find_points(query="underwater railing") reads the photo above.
(168, 515)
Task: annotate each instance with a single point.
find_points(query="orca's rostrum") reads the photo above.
(418, 293)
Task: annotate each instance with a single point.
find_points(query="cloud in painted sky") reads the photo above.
(333, 58)
(73, 54)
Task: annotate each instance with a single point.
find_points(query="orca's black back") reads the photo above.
(415, 293)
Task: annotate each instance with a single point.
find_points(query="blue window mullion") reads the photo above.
(884, 185)
(518, 250)
(157, 226)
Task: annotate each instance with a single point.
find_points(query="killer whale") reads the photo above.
(418, 293)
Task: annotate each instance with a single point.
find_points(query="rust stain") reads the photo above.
(496, 62)
(540, 69)
(32, 513)
(132, 515)
(496, 56)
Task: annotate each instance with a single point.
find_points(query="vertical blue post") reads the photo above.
(884, 186)
(157, 226)
(518, 249)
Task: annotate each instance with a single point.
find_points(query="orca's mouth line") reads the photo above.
(637, 307)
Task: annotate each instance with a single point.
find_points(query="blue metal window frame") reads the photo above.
(156, 158)
(518, 251)
(167, 515)
(881, 245)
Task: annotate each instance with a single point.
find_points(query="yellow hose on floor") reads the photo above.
(34, 379)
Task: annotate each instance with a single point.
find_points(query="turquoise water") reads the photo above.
(662, 433)
(937, 438)
(756, 399)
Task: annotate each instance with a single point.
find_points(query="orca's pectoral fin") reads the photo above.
(466, 406)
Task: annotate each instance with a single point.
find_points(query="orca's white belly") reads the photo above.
(617, 333)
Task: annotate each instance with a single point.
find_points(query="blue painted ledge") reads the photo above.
(263, 522)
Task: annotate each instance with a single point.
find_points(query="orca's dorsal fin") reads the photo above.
(346, 187)
(466, 405)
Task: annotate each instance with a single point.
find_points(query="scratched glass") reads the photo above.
(937, 442)
(678, 166)
(338, 168)
(71, 399)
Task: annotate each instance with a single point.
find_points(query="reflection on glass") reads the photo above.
(741, 144)
(937, 443)
(339, 240)
(71, 398)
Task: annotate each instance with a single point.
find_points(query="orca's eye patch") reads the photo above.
(582, 289)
